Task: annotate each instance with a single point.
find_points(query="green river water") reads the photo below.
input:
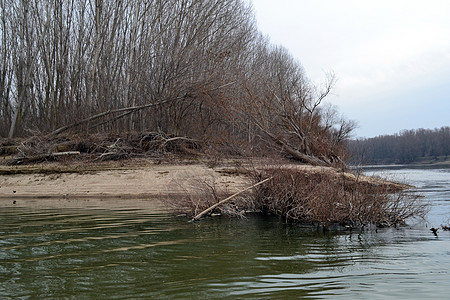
(95, 253)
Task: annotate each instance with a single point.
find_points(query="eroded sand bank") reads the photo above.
(147, 181)
(137, 183)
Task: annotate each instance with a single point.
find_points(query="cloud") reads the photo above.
(397, 59)
(387, 55)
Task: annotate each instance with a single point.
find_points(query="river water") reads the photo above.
(87, 251)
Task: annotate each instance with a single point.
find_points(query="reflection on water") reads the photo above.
(434, 184)
(118, 253)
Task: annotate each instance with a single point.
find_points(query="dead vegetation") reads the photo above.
(203, 194)
(300, 193)
(97, 147)
(308, 196)
(324, 198)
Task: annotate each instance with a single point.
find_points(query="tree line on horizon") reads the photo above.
(408, 146)
(194, 68)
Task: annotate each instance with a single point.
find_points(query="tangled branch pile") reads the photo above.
(325, 198)
(99, 147)
(203, 194)
(316, 197)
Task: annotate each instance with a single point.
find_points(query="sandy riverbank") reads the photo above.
(143, 181)
(115, 183)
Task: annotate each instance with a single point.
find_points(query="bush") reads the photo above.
(325, 198)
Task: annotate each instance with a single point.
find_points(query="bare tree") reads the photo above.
(184, 67)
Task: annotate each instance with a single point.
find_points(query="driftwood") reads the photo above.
(56, 154)
(197, 217)
(43, 157)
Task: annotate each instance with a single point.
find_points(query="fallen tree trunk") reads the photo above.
(197, 217)
(94, 117)
(125, 110)
(42, 157)
(296, 154)
(309, 159)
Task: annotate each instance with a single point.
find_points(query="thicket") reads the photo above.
(326, 199)
(188, 68)
(406, 147)
(323, 198)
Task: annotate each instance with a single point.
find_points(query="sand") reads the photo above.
(143, 182)
(133, 185)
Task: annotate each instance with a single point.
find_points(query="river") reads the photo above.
(122, 253)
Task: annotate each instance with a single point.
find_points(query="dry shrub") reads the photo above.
(326, 199)
(202, 193)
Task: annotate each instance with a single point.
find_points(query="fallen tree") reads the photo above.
(289, 119)
(125, 112)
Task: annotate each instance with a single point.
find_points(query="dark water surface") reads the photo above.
(136, 253)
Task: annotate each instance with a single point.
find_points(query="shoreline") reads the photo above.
(136, 180)
(196, 188)
(445, 164)
(140, 179)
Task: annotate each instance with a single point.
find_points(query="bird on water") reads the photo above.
(434, 230)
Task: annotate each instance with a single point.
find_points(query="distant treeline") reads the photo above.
(406, 147)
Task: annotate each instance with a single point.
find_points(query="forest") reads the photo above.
(197, 70)
(193, 80)
(408, 146)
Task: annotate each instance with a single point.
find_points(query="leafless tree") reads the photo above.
(196, 68)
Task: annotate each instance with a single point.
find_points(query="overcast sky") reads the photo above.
(391, 57)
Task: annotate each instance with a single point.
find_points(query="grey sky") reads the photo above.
(391, 57)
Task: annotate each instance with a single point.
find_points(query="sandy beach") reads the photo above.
(145, 181)
(135, 185)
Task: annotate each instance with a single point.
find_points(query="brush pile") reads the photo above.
(310, 196)
(324, 198)
(96, 147)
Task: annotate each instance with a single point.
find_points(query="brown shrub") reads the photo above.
(324, 198)
(200, 194)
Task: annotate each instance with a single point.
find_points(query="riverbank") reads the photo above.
(144, 178)
(190, 187)
(125, 179)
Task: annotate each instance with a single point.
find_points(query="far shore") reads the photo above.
(445, 163)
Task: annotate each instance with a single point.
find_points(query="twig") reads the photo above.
(197, 217)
